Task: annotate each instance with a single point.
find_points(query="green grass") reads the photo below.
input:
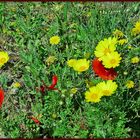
(25, 30)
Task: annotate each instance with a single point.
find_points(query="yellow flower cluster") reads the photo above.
(3, 58)
(50, 60)
(79, 65)
(101, 89)
(129, 84)
(135, 60)
(117, 33)
(106, 52)
(122, 41)
(136, 29)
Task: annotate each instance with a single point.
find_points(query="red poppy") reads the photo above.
(51, 87)
(101, 71)
(1, 97)
(54, 82)
(35, 120)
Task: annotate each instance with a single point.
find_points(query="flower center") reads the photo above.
(94, 96)
(113, 61)
(106, 92)
(2, 60)
(106, 51)
(82, 68)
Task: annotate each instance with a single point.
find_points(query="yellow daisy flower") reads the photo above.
(16, 85)
(117, 33)
(122, 41)
(71, 62)
(111, 60)
(104, 47)
(93, 95)
(50, 60)
(129, 84)
(136, 29)
(54, 116)
(3, 58)
(73, 90)
(81, 65)
(107, 88)
(135, 60)
(130, 47)
(54, 40)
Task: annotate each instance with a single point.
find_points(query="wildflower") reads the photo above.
(111, 60)
(71, 62)
(73, 90)
(107, 88)
(3, 58)
(117, 33)
(93, 95)
(136, 29)
(1, 97)
(35, 120)
(16, 85)
(135, 60)
(54, 116)
(129, 84)
(54, 40)
(81, 65)
(61, 103)
(88, 14)
(130, 47)
(125, 72)
(102, 72)
(122, 41)
(50, 60)
(43, 87)
(104, 47)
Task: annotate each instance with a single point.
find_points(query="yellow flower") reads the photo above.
(104, 47)
(136, 29)
(50, 59)
(129, 84)
(81, 65)
(93, 95)
(122, 41)
(130, 47)
(125, 72)
(117, 33)
(54, 40)
(3, 58)
(135, 60)
(71, 62)
(107, 88)
(111, 60)
(54, 116)
(73, 90)
(16, 85)
(88, 14)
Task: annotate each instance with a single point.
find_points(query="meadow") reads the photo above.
(70, 70)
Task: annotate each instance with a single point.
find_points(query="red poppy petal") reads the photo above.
(102, 72)
(51, 87)
(35, 120)
(1, 97)
(54, 82)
